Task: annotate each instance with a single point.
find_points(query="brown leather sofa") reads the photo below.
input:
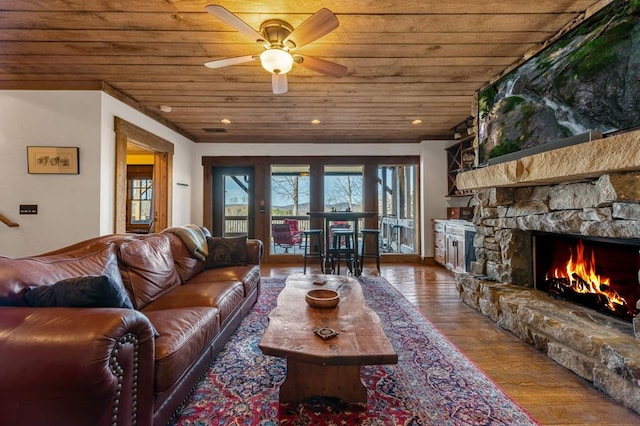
(106, 366)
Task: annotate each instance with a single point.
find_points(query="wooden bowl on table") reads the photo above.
(322, 298)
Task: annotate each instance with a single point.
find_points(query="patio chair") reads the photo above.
(295, 231)
(283, 237)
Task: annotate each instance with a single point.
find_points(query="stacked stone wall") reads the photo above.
(505, 218)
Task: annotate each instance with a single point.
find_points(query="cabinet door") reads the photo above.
(460, 254)
(440, 250)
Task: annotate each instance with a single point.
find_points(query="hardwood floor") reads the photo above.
(550, 393)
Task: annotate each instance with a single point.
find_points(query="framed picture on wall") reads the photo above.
(53, 160)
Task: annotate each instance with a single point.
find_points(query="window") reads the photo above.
(397, 204)
(343, 188)
(140, 202)
(290, 192)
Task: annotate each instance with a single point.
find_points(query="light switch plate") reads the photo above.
(28, 209)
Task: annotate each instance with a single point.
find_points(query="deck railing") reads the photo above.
(397, 235)
(235, 225)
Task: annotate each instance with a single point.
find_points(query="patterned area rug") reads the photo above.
(432, 384)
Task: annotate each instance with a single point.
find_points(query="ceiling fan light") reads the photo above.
(276, 61)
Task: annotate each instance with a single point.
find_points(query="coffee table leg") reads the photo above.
(304, 380)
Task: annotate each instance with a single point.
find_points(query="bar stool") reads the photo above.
(344, 244)
(375, 254)
(311, 253)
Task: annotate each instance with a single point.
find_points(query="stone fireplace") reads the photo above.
(588, 192)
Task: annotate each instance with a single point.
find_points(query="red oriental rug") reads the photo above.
(432, 384)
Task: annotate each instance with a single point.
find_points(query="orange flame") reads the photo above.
(582, 276)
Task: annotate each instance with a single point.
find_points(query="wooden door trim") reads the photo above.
(163, 171)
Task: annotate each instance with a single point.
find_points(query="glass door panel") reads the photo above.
(233, 202)
(397, 204)
(290, 192)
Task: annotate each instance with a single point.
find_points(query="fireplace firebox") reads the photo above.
(599, 273)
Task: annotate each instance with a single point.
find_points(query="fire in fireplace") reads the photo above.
(601, 274)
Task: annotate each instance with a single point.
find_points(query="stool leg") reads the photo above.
(364, 242)
(377, 256)
(335, 254)
(371, 253)
(339, 253)
(306, 245)
(347, 254)
(319, 242)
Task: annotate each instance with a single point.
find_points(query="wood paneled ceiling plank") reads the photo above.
(309, 6)
(406, 59)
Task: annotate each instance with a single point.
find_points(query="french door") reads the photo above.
(233, 202)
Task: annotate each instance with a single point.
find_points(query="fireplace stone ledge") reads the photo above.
(568, 164)
(598, 348)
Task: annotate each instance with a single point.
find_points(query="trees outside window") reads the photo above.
(290, 190)
(343, 187)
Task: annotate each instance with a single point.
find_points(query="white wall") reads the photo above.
(433, 166)
(71, 207)
(68, 205)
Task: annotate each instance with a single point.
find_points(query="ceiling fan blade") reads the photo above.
(232, 20)
(279, 83)
(230, 61)
(320, 65)
(317, 25)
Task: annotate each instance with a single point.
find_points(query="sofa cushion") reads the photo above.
(16, 275)
(226, 251)
(184, 334)
(147, 268)
(227, 296)
(186, 265)
(84, 292)
(249, 275)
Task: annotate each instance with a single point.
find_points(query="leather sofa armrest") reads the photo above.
(254, 252)
(76, 366)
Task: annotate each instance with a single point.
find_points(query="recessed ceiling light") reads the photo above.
(165, 108)
(225, 121)
(315, 121)
(416, 121)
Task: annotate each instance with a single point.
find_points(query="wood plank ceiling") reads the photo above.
(406, 60)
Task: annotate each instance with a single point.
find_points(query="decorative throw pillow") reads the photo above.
(226, 251)
(80, 292)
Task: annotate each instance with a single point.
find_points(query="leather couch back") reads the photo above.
(147, 265)
(186, 265)
(142, 263)
(147, 268)
(16, 275)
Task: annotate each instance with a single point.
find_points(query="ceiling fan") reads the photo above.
(279, 40)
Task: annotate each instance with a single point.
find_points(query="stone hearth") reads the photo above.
(601, 349)
(597, 348)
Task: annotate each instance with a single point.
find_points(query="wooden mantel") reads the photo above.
(569, 164)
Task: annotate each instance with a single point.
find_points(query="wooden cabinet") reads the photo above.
(453, 244)
(440, 242)
(455, 259)
(460, 156)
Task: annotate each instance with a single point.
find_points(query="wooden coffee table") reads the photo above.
(318, 367)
